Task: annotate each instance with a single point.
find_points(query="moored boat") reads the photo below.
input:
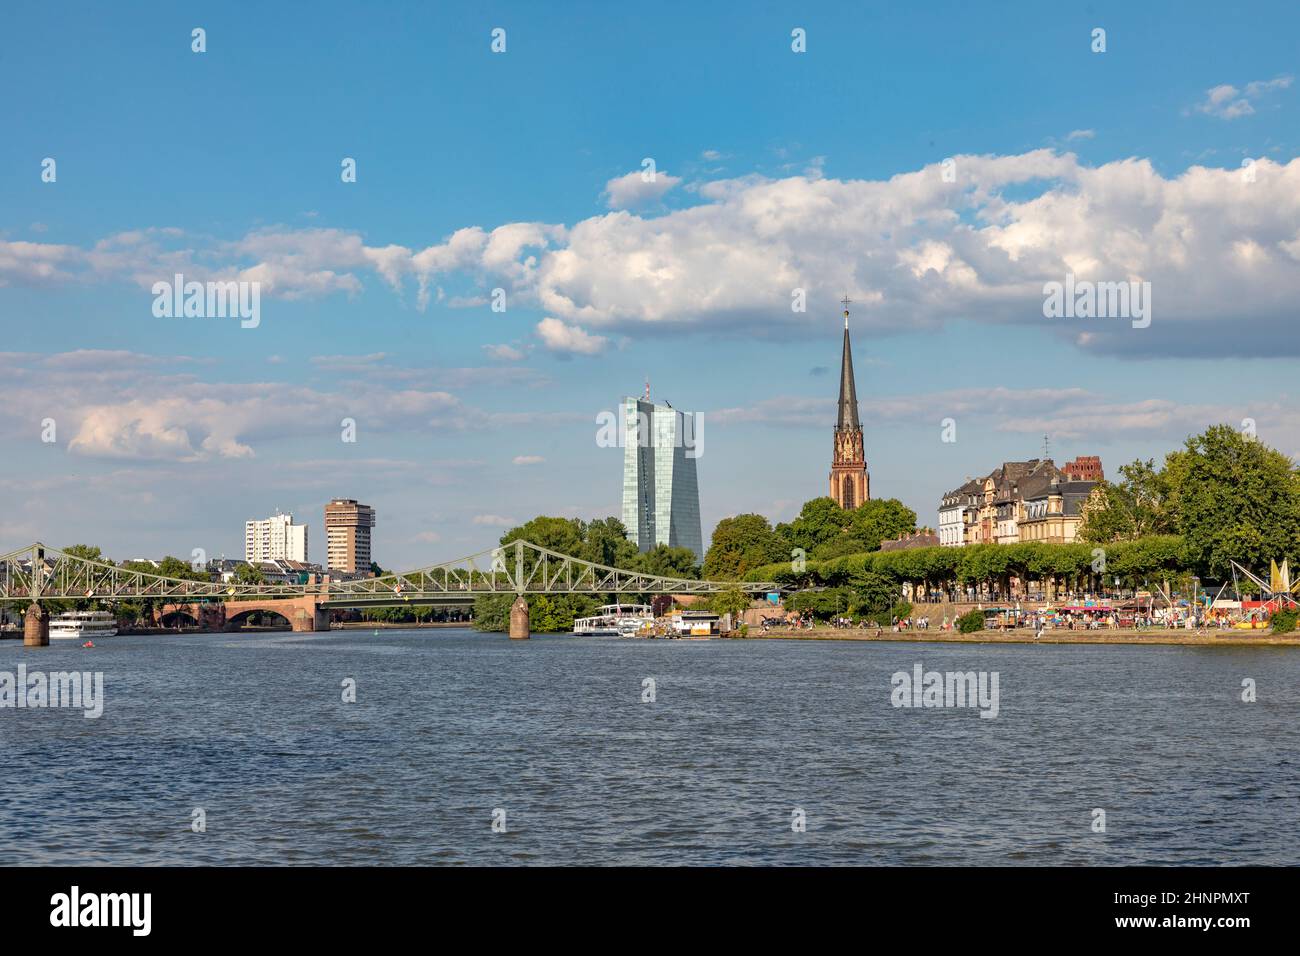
(82, 625)
(621, 620)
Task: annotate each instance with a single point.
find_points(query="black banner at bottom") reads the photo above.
(337, 905)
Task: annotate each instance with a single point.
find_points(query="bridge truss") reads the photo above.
(39, 573)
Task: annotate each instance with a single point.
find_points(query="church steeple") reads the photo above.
(848, 389)
(850, 484)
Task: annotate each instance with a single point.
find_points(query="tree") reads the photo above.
(732, 601)
(667, 562)
(1236, 499)
(820, 521)
(492, 612)
(249, 574)
(87, 552)
(880, 519)
(1142, 503)
(740, 543)
(565, 535)
(606, 542)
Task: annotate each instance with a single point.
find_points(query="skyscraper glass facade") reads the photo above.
(661, 495)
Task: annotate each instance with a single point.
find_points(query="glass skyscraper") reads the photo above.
(661, 496)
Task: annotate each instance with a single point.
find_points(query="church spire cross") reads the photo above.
(846, 300)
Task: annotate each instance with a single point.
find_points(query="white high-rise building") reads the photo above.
(661, 495)
(275, 538)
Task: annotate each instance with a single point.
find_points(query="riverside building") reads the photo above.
(347, 535)
(1020, 501)
(275, 538)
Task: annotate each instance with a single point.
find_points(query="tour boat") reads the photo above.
(623, 620)
(83, 625)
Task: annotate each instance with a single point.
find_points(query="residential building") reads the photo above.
(274, 538)
(347, 535)
(850, 483)
(1053, 514)
(1084, 468)
(1019, 501)
(921, 538)
(959, 512)
(998, 518)
(661, 495)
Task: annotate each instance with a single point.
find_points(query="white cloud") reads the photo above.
(504, 353)
(30, 262)
(528, 459)
(1067, 413)
(1081, 134)
(128, 406)
(1227, 102)
(496, 521)
(559, 337)
(638, 188)
(913, 252)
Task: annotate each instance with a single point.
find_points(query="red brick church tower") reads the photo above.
(850, 483)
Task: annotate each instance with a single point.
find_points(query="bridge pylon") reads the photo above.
(519, 619)
(36, 627)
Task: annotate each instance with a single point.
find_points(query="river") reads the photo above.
(451, 727)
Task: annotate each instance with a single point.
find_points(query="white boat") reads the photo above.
(623, 620)
(83, 625)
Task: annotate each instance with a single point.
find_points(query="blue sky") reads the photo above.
(818, 170)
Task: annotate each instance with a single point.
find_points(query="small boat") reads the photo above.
(616, 620)
(82, 625)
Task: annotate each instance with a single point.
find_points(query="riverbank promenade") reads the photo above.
(1227, 638)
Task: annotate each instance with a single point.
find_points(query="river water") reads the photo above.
(449, 726)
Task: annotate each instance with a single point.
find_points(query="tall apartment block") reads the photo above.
(661, 495)
(347, 535)
(274, 539)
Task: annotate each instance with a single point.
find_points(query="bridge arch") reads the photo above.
(301, 614)
(178, 617)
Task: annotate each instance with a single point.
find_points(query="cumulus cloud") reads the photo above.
(128, 406)
(638, 188)
(528, 459)
(1227, 102)
(1081, 134)
(505, 353)
(559, 337)
(33, 262)
(913, 251)
(1070, 413)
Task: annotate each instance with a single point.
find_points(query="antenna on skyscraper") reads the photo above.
(1045, 447)
(647, 388)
